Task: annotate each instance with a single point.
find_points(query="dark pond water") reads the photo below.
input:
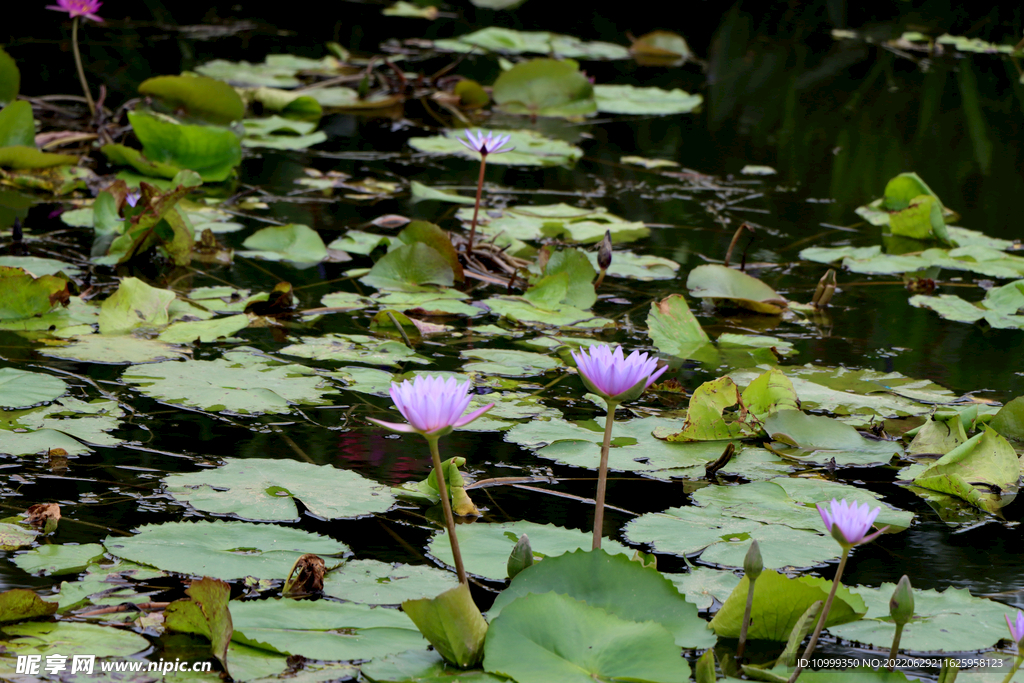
(836, 119)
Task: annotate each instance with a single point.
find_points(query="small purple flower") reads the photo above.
(132, 198)
(486, 144)
(1016, 627)
(849, 522)
(612, 375)
(79, 8)
(432, 405)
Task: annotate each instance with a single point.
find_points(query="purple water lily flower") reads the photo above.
(488, 143)
(432, 405)
(79, 8)
(612, 375)
(1016, 627)
(849, 522)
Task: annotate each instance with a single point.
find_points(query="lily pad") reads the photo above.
(571, 223)
(381, 583)
(14, 536)
(421, 666)
(523, 311)
(203, 331)
(979, 470)
(199, 96)
(732, 288)
(354, 348)
(817, 439)
(20, 603)
(630, 266)
(673, 327)
(441, 302)
(25, 296)
(532, 149)
(704, 586)
(545, 87)
(266, 490)
(411, 268)
(498, 39)
(69, 638)
(628, 99)
(21, 388)
(278, 132)
(486, 547)
(238, 383)
(421, 192)
(114, 349)
(509, 363)
(58, 559)
(297, 243)
(546, 637)
(222, 550)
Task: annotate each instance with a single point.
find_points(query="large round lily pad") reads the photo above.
(381, 583)
(732, 288)
(21, 389)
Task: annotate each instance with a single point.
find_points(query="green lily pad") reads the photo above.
(421, 192)
(292, 105)
(211, 152)
(238, 383)
(297, 243)
(486, 547)
(17, 127)
(441, 302)
(222, 550)
(204, 613)
(40, 441)
(509, 363)
(38, 266)
(615, 583)
(630, 266)
(135, 304)
(733, 288)
(277, 71)
(114, 350)
(200, 96)
(25, 296)
(266, 490)
(359, 242)
(77, 318)
(14, 536)
(381, 583)
(410, 268)
(278, 132)
(545, 87)
(498, 39)
(21, 157)
(203, 331)
(354, 348)
(817, 439)
(938, 621)
(10, 78)
(58, 559)
(324, 629)
(421, 666)
(21, 389)
(20, 603)
(69, 638)
(703, 586)
(674, 329)
(532, 149)
(628, 99)
(521, 310)
(557, 220)
(541, 638)
(979, 470)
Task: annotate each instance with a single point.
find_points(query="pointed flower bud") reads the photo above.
(434, 406)
(521, 556)
(753, 565)
(1016, 628)
(849, 522)
(901, 604)
(613, 376)
(604, 253)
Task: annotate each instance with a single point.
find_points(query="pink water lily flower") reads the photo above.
(1016, 627)
(488, 143)
(432, 405)
(79, 8)
(849, 522)
(614, 376)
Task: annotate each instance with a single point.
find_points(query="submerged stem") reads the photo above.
(78, 65)
(446, 505)
(824, 615)
(602, 476)
(476, 207)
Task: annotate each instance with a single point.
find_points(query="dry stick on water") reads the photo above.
(732, 244)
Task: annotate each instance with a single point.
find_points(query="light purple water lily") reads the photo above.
(1016, 627)
(488, 143)
(432, 405)
(614, 376)
(79, 8)
(849, 522)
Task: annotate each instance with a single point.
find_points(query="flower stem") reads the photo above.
(446, 505)
(746, 618)
(602, 475)
(78, 64)
(895, 649)
(476, 208)
(1016, 665)
(824, 614)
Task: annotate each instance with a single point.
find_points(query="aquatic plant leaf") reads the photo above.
(673, 327)
(704, 416)
(769, 394)
(246, 74)
(221, 550)
(24, 296)
(38, 266)
(199, 96)
(547, 637)
(347, 99)
(779, 601)
(291, 105)
(135, 304)
(278, 132)
(14, 536)
(521, 310)
(615, 583)
(239, 382)
(579, 274)
(266, 490)
(383, 583)
(10, 78)
(54, 560)
(486, 547)
(1009, 421)
(410, 268)
(818, 439)
(452, 623)
(643, 267)
(421, 666)
(509, 41)
(40, 441)
(297, 243)
(722, 539)
(204, 612)
(421, 192)
(114, 349)
(732, 288)
(660, 48)
(21, 388)
(509, 362)
(410, 10)
(702, 586)
(70, 638)
(21, 603)
(938, 620)
(203, 331)
(359, 242)
(441, 302)
(324, 629)
(424, 232)
(985, 460)
(940, 434)
(211, 152)
(921, 220)
(22, 158)
(354, 348)
(532, 149)
(628, 99)
(545, 87)
(17, 128)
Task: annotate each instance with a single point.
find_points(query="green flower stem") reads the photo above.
(78, 63)
(746, 618)
(824, 614)
(446, 504)
(602, 476)
(1016, 665)
(895, 649)
(476, 208)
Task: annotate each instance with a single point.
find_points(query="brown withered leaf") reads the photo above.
(306, 577)
(44, 515)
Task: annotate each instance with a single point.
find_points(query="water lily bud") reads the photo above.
(901, 604)
(521, 556)
(604, 253)
(753, 565)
